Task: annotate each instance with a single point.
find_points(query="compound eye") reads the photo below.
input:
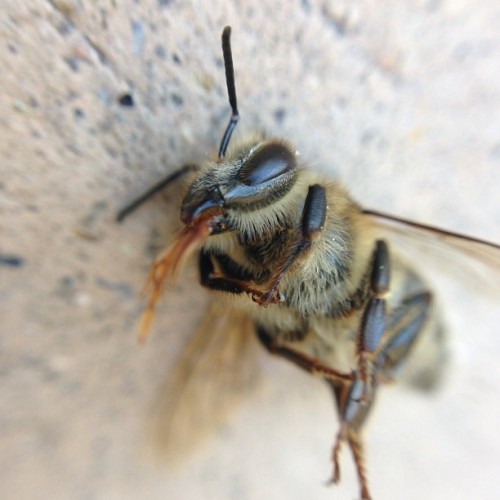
(266, 175)
(267, 163)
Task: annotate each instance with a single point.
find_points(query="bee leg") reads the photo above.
(373, 321)
(221, 281)
(354, 400)
(353, 413)
(311, 365)
(312, 221)
(406, 323)
(128, 209)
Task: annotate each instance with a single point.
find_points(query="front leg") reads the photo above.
(312, 221)
(234, 281)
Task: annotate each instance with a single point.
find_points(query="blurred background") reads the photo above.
(100, 100)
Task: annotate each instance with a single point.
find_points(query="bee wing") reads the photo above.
(216, 368)
(473, 260)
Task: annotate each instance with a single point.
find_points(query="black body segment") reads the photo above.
(373, 321)
(404, 327)
(381, 271)
(372, 325)
(314, 214)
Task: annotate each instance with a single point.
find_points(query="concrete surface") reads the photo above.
(399, 98)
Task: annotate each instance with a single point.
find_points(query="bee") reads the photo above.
(291, 256)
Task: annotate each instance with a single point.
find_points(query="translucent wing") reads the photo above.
(216, 369)
(473, 260)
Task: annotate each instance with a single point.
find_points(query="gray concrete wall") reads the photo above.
(400, 99)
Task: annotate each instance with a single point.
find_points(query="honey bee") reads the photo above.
(291, 256)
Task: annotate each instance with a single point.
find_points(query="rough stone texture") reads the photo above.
(399, 98)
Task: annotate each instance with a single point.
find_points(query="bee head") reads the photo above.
(250, 179)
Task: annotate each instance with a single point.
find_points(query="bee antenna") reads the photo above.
(231, 90)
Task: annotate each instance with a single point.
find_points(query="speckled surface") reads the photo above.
(400, 99)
